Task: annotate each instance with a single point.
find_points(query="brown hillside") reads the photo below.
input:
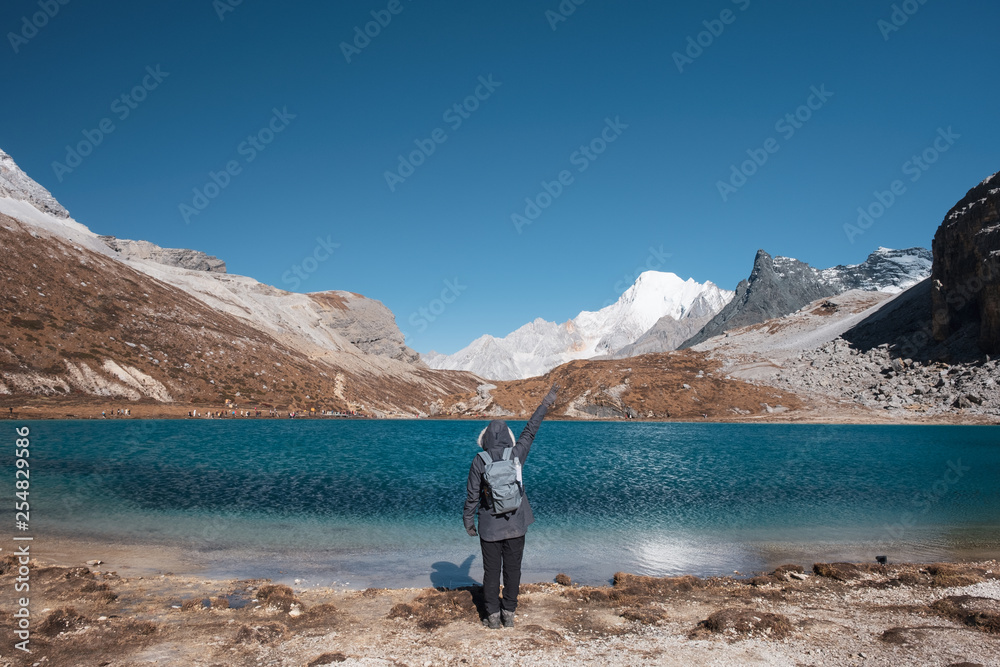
(76, 325)
(676, 385)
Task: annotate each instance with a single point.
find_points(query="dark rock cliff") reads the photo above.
(965, 279)
(777, 286)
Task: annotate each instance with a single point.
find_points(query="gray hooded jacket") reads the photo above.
(494, 439)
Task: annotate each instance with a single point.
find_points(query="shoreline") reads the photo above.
(839, 613)
(447, 565)
(152, 411)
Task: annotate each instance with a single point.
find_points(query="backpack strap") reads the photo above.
(484, 491)
(507, 452)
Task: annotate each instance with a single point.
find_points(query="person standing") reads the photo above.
(501, 536)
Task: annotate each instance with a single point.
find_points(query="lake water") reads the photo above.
(379, 502)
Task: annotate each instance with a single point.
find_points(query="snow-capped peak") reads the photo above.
(540, 345)
(654, 294)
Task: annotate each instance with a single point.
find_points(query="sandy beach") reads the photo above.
(135, 606)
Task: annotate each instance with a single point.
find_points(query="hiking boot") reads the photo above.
(508, 618)
(492, 621)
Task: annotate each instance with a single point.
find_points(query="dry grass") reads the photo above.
(278, 596)
(845, 571)
(644, 615)
(61, 620)
(435, 609)
(8, 564)
(975, 612)
(636, 598)
(628, 587)
(587, 595)
(199, 603)
(193, 603)
(323, 616)
(946, 575)
(745, 623)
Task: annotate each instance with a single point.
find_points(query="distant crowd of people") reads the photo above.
(234, 412)
(269, 413)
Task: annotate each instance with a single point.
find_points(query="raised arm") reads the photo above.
(523, 446)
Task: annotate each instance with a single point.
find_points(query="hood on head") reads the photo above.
(496, 435)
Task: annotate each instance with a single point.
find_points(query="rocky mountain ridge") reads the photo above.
(179, 257)
(779, 286)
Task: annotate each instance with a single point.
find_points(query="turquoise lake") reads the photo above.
(379, 503)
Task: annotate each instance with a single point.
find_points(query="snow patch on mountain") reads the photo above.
(885, 270)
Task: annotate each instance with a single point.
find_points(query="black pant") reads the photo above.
(505, 554)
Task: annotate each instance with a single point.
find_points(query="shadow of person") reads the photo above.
(456, 577)
(449, 575)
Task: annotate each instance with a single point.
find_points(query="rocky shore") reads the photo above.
(824, 614)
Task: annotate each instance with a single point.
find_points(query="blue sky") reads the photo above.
(268, 91)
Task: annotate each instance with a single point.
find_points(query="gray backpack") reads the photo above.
(503, 482)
